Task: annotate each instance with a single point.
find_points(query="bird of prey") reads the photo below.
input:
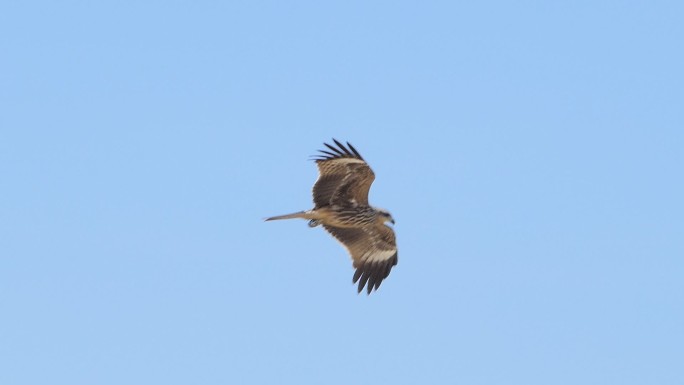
(341, 206)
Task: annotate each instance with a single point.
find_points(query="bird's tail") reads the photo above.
(300, 214)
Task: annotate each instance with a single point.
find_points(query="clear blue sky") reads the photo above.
(531, 153)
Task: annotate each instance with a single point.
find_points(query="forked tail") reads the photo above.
(300, 214)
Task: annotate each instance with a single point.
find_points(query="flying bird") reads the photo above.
(341, 206)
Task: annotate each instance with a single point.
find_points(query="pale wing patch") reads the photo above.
(377, 255)
(345, 161)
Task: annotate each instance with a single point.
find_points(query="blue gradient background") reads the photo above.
(531, 153)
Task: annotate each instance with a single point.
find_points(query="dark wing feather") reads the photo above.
(344, 177)
(373, 250)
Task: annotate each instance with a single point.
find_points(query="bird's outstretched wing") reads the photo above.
(373, 250)
(344, 177)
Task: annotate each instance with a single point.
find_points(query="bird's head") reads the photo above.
(385, 216)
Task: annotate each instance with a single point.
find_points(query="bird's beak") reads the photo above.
(392, 221)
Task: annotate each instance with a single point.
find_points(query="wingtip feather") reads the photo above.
(341, 146)
(354, 151)
(341, 151)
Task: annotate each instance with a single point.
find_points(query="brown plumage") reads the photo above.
(340, 198)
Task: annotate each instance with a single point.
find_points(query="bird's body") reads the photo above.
(341, 207)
